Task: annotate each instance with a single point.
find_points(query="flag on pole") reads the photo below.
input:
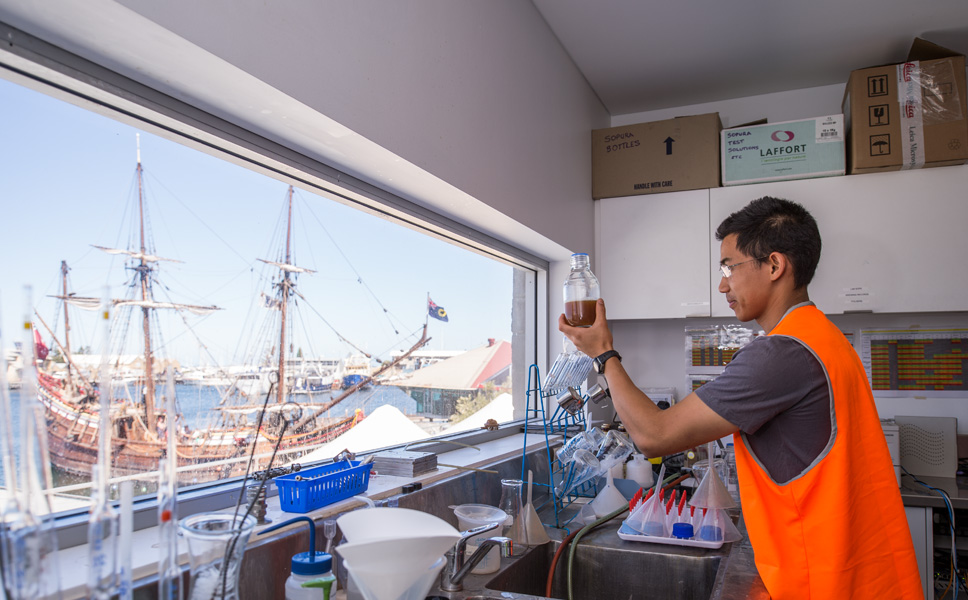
(40, 349)
(435, 311)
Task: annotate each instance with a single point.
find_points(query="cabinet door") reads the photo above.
(921, 525)
(892, 242)
(654, 261)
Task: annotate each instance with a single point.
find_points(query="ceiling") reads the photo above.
(643, 55)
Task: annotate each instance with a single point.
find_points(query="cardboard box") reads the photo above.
(661, 156)
(908, 115)
(786, 150)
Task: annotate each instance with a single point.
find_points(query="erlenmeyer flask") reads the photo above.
(512, 505)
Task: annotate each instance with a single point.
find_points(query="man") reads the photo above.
(819, 494)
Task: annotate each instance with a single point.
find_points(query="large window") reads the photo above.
(285, 320)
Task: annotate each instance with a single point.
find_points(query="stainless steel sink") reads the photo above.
(605, 568)
(634, 570)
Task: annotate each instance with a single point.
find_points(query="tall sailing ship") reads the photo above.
(139, 428)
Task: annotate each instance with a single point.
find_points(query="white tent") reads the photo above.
(386, 426)
(501, 409)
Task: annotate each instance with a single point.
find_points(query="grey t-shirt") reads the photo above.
(775, 390)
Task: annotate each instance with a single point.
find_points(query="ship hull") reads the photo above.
(203, 455)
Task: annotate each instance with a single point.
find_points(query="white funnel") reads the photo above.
(390, 552)
(712, 492)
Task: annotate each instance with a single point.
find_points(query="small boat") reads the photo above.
(356, 371)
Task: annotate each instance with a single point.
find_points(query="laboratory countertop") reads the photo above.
(915, 494)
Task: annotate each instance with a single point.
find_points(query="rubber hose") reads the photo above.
(669, 482)
(554, 561)
(583, 531)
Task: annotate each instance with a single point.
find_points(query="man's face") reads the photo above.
(747, 286)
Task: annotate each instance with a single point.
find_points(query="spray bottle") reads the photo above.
(310, 570)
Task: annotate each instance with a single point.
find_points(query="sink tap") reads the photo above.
(458, 567)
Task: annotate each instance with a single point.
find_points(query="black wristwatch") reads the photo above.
(599, 363)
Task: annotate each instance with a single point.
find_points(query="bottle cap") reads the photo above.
(682, 531)
(305, 563)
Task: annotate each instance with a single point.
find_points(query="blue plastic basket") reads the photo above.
(324, 485)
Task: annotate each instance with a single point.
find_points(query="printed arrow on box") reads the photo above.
(668, 143)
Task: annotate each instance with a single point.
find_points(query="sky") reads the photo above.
(68, 181)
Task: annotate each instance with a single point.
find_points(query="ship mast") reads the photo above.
(67, 326)
(144, 273)
(284, 285)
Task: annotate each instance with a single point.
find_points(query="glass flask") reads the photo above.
(216, 543)
(511, 503)
(581, 291)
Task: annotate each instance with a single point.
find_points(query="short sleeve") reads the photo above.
(765, 378)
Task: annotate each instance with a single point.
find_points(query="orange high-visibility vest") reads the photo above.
(838, 530)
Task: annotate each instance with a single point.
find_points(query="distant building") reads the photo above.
(14, 366)
(419, 359)
(437, 387)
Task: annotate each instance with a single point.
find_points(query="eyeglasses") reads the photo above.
(727, 270)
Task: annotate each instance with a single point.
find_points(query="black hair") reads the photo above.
(768, 225)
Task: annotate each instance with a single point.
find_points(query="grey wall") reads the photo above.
(480, 94)
(469, 108)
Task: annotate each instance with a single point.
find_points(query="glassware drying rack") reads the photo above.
(566, 376)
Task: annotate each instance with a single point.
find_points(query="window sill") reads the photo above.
(74, 562)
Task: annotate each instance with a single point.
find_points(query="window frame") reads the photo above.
(34, 63)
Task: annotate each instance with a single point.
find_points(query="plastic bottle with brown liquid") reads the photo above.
(581, 291)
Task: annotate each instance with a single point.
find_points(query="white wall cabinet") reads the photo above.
(654, 255)
(892, 243)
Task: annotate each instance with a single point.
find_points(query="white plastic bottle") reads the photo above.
(640, 470)
(322, 568)
(312, 568)
(294, 585)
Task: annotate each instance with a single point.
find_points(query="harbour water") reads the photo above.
(196, 403)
